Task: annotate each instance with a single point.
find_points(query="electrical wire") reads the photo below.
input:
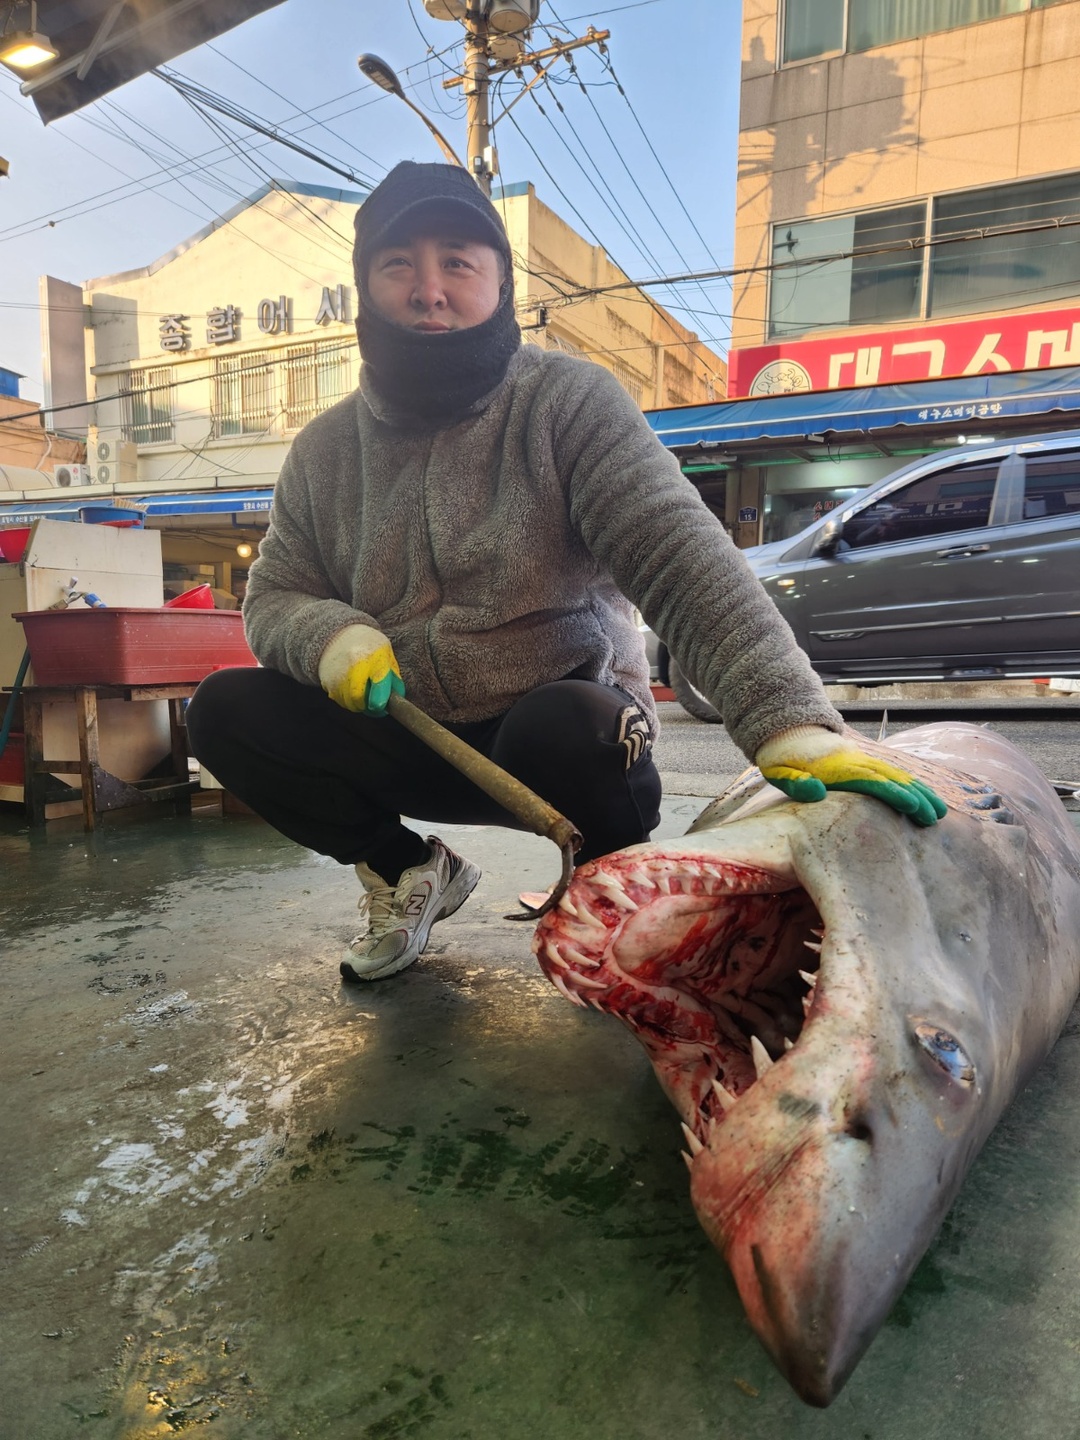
(711, 309)
(297, 110)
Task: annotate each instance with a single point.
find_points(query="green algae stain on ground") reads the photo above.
(410, 1399)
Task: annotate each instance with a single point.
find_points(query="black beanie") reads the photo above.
(412, 193)
(437, 379)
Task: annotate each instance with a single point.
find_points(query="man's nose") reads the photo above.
(428, 292)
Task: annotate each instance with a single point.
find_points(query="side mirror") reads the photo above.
(828, 537)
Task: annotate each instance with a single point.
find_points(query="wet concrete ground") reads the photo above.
(239, 1199)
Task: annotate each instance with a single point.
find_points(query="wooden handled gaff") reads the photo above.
(524, 804)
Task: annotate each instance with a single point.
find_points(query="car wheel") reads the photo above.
(692, 700)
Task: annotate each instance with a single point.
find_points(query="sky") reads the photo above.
(649, 173)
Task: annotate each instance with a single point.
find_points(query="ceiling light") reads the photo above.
(243, 550)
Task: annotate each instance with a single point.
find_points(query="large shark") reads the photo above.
(840, 1006)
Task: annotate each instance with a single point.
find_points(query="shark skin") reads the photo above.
(840, 1005)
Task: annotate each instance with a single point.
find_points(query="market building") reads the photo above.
(907, 245)
(189, 377)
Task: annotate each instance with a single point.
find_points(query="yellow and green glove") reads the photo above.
(808, 760)
(359, 671)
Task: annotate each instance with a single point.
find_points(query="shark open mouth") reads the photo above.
(712, 963)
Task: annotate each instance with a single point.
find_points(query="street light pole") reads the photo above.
(380, 73)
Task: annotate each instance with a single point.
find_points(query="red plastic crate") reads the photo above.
(125, 646)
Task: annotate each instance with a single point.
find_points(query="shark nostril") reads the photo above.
(858, 1129)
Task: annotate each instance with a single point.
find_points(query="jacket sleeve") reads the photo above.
(292, 609)
(673, 559)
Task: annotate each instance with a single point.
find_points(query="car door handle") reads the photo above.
(961, 550)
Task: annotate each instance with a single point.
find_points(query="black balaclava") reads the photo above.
(436, 378)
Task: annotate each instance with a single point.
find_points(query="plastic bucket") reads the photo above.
(116, 515)
(197, 598)
(13, 542)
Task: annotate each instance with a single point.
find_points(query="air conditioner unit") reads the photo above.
(71, 474)
(112, 461)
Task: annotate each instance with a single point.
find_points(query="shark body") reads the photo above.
(840, 1006)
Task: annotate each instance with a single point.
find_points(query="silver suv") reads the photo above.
(964, 565)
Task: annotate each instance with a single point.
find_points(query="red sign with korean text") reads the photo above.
(1036, 341)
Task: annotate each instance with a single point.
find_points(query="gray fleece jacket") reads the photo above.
(498, 554)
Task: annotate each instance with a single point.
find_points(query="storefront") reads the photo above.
(781, 461)
(206, 536)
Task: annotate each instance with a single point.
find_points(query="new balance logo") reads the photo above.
(414, 905)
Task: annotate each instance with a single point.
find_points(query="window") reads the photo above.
(1036, 266)
(315, 377)
(823, 27)
(146, 405)
(1052, 485)
(856, 291)
(898, 278)
(954, 499)
(813, 27)
(243, 395)
(629, 379)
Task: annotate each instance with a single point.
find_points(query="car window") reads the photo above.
(1052, 485)
(957, 498)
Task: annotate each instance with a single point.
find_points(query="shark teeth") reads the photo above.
(810, 979)
(813, 945)
(692, 1140)
(724, 1097)
(763, 1061)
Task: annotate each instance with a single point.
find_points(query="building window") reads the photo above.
(629, 379)
(817, 292)
(315, 377)
(1004, 269)
(813, 28)
(146, 405)
(243, 395)
(892, 276)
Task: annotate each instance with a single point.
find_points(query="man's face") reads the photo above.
(435, 283)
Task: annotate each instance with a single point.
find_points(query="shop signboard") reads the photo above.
(1039, 340)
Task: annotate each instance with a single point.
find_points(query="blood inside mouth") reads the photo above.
(712, 963)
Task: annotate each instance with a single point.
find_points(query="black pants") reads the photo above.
(338, 782)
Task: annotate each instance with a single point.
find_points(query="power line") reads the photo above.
(922, 243)
(711, 308)
(190, 90)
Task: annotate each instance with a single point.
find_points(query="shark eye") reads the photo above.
(945, 1051)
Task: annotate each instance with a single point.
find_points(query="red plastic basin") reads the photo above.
(126, 646)
(13, 542)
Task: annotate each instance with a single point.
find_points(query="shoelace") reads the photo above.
(378, 906)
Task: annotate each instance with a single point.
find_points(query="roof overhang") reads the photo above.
(880, 420)
(103, 44)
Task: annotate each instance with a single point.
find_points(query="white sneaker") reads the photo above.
(400, 916)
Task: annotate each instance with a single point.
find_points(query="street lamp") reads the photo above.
(26, 49)
(380, 73)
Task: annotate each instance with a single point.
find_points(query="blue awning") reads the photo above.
(194, 502)
(820, 415)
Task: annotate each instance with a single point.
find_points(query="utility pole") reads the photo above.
(480, 68)
(480, 156)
